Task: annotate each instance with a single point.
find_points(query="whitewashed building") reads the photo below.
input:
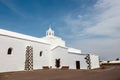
(22, 52)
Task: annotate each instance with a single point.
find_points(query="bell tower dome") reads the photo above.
(49, 32)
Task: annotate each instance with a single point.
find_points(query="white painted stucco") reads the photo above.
(52, 39)
(94, 59)
(52, 48)
(16, 61)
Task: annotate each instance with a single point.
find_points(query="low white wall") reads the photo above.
(94, 59)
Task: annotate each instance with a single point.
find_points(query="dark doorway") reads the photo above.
(77, 64)
(57, 63)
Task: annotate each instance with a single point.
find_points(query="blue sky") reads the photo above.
(90, 25)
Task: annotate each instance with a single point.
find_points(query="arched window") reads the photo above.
(41, 53)
(9, 51)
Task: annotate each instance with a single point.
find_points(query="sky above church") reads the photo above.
(90, 25)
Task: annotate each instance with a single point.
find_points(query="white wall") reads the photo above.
(57, 53)
(54, 41)
(67, 59)
(40, 61)
(16, 61)
(94, 59)
(78, 57)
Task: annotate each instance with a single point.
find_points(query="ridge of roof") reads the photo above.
(21, 36)
(59, 46)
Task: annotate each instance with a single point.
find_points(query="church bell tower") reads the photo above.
(50, 33)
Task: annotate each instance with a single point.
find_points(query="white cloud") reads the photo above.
(100, 32)
(108, 20)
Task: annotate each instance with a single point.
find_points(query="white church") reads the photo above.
(20, 52)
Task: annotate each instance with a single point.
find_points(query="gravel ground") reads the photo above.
(106, 73)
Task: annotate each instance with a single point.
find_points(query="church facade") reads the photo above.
(22, 52)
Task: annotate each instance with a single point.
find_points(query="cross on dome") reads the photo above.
(50, 32)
